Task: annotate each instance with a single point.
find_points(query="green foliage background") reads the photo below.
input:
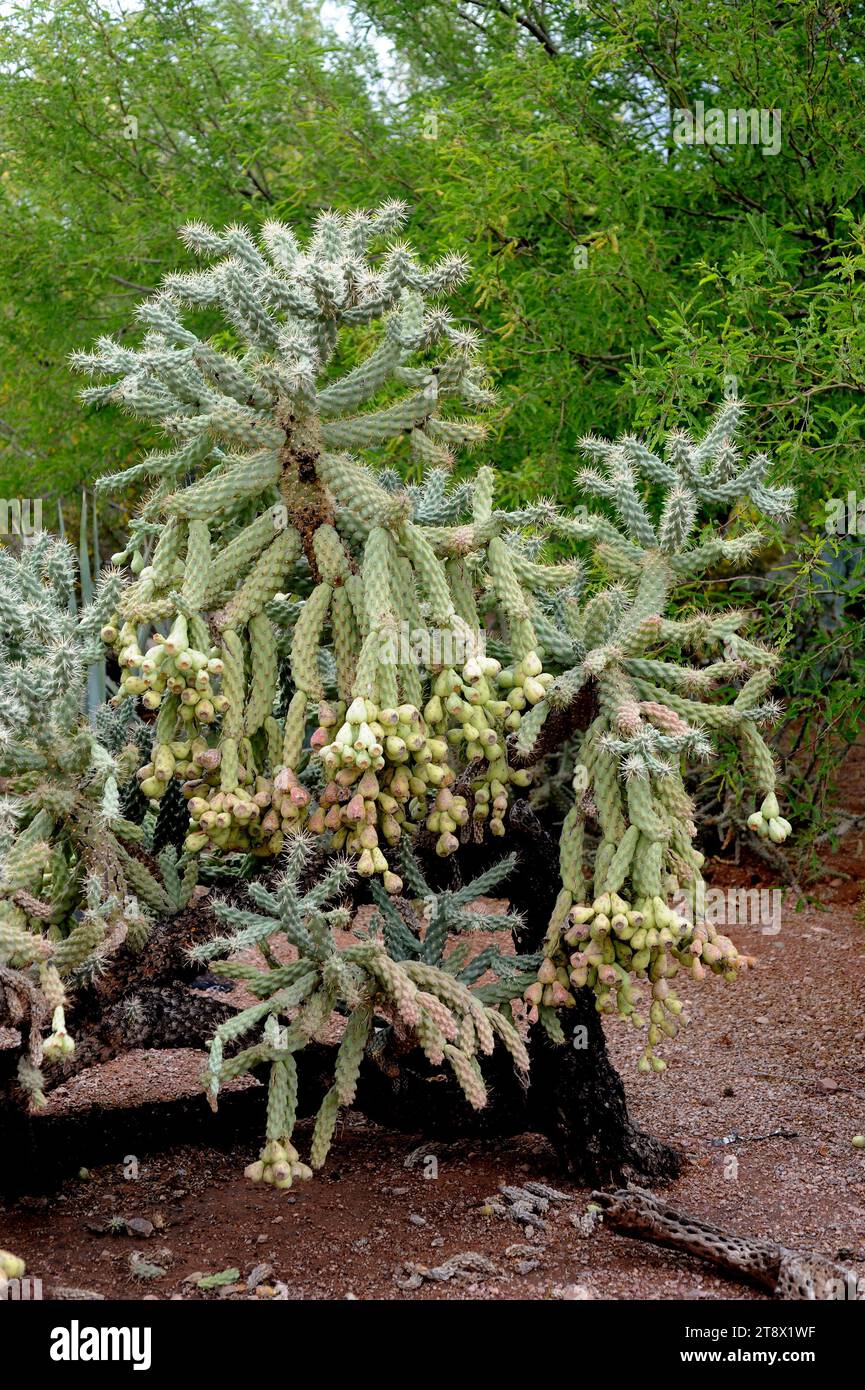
(520, 133)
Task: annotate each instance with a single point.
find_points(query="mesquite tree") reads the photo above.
(282, 566)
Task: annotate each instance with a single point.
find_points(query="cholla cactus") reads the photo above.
(70, 890)
(405, 981)
(378, 597)
(656, 711)
(276, 498)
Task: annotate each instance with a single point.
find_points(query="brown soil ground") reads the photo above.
(781, 1050)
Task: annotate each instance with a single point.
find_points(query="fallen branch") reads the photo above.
(788, 1274)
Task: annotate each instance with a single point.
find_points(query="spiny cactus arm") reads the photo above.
(598, 529)
(570, 703)
(363, 381)
(94, 617)
(640, 456)
(630, 507)
(486, 921)
(234, 481)
(699, 628)
(469, 968)
(677, 519)
(356, 489)
(20, 758)
(468, 1074)
(248, 929)
(235, 558)
(415, 882)
(555, 644)
(715, 552)
(334, 560)
(376, 427)
(758, 758)
(715, 717)
(336, 877)
(350, 1054)
(484, 883)
(19, 947)
(375, 676)
(543, 579)
(306, 640)
(400, 941)
(431, 575)
(509, 985)
(693, 680)
(513, 603)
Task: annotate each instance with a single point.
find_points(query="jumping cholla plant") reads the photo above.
(70, 890)
(264, 534)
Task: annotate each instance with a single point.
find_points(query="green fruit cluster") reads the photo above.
(476, 709)
(768, 821)
(236, 803)
(617, 947)
(279, 1165)
(170, 674)
(394, 767)
(232, 807)
(383, 766)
